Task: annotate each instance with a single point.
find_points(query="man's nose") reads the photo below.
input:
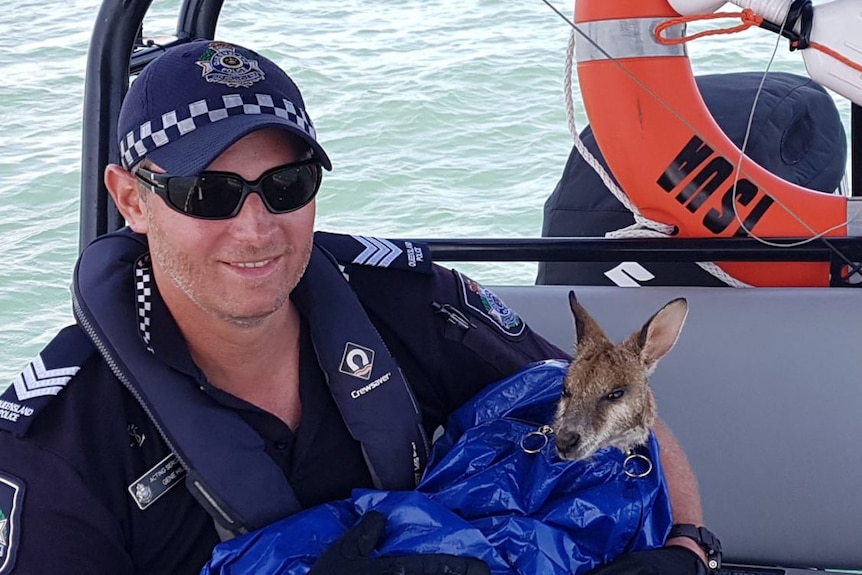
(253, 214)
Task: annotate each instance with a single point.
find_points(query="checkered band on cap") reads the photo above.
(175, 124)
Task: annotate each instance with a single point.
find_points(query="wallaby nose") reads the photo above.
(567, 444)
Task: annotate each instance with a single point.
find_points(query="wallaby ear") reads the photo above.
(660, 332)
(587, 331)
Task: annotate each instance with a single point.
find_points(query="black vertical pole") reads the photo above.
(110, 62)
(107, 80)
(856, 150)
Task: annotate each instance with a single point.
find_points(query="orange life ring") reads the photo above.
(672, 159)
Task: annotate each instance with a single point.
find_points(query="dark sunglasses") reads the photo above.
(220, 195)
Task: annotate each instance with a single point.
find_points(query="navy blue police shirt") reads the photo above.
(90, 487)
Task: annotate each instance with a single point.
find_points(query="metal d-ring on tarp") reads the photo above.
(535, 441)
(635, 464)
(635, 460)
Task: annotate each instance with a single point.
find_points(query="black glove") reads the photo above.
(672, 560)
(350, 556)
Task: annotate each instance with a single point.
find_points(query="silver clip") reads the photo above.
(538, 438)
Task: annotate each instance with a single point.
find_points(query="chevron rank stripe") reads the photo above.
(378, 252)
(36, 380)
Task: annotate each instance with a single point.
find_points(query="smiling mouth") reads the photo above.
(259, 264)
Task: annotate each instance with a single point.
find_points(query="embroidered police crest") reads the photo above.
(11, 497)
(4, 533)
(226, 64)
(489, 307)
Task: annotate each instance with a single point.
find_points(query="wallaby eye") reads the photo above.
(615, 394)
(566, 392)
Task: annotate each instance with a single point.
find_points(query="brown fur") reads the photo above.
(606, 396)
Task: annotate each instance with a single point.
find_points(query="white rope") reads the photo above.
(593, 162)
(643, 226)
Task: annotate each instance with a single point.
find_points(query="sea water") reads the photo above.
(443, 118)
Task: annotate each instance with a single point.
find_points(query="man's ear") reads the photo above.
(124, 189)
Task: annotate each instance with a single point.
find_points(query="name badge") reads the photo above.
(157, 481)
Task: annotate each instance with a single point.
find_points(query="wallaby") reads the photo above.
(606, 396)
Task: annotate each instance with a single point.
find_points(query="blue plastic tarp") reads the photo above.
(484, 496)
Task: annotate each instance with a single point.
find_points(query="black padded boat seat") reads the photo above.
(764, 392)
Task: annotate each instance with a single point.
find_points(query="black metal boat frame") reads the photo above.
(117, 52)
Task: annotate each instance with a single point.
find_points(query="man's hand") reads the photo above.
(672, 560)
(350, 555)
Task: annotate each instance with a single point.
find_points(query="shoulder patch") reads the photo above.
(11, 499)
(37, 380)
(482, 302)
(378, 252)
(43, 378)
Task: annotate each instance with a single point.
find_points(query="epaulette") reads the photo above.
(43, 379)
(369, 251)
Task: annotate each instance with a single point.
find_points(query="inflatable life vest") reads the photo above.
(228, 469)
(670, 156)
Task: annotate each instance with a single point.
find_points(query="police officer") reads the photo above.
(228, 366)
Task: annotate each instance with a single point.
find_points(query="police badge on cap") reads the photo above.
(226, 64)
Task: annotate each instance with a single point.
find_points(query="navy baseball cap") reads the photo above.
(195, 100)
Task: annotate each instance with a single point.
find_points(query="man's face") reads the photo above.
(240, 270)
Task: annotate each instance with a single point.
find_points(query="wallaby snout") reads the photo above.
(606, 396)
(569, 444)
